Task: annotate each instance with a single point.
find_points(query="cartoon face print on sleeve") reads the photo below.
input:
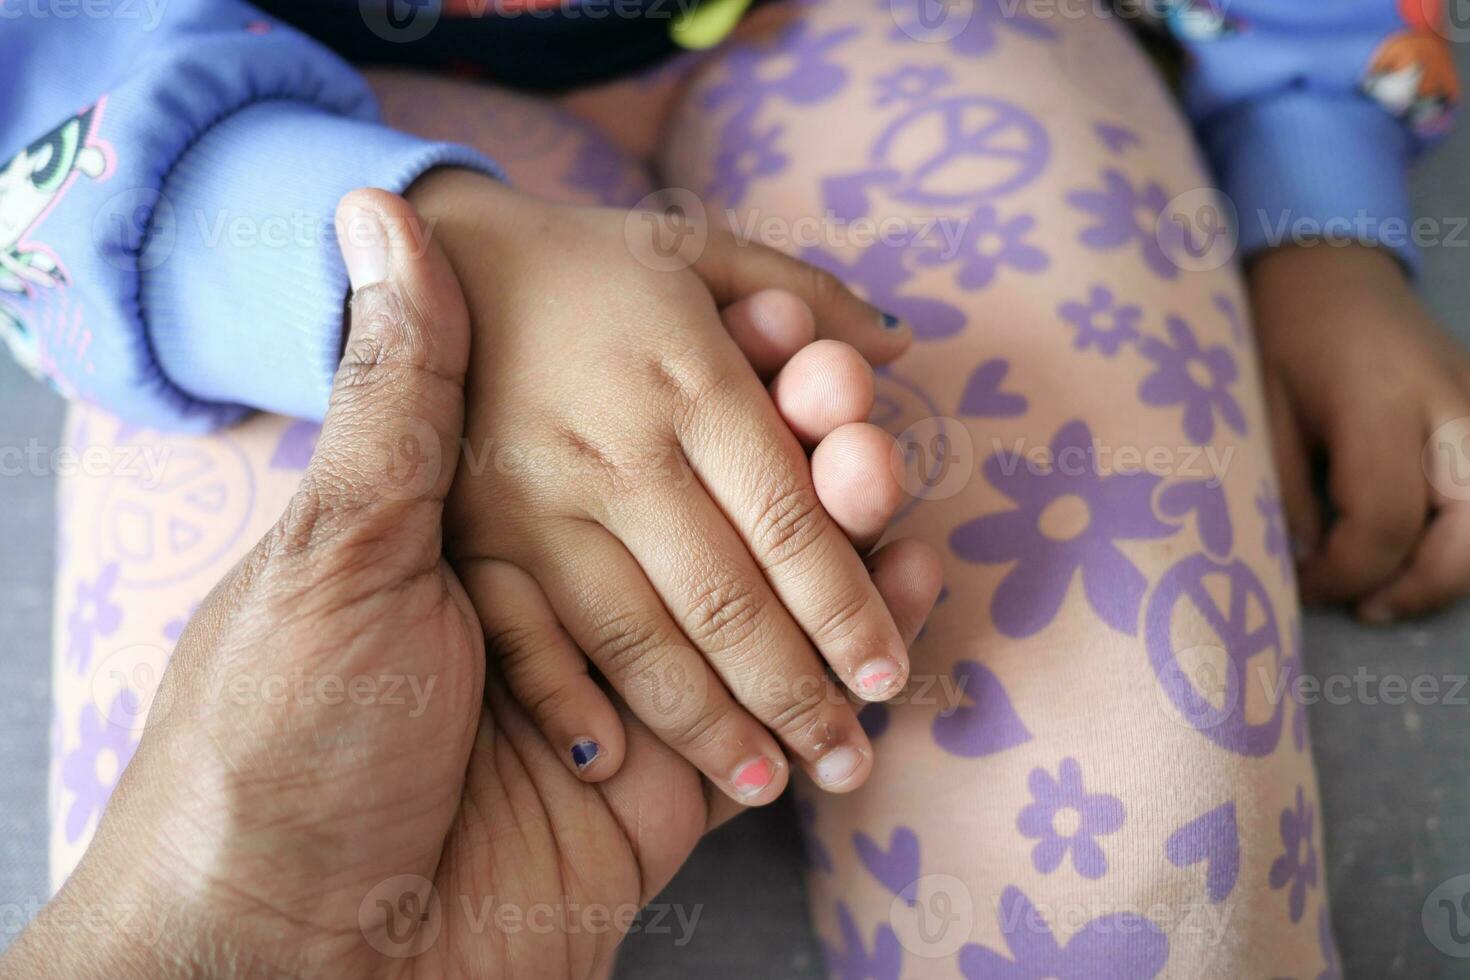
(1199, 20)
(32, 182)
(1412, 73)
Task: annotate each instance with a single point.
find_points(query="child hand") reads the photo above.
(631, 492)
(1357, 372)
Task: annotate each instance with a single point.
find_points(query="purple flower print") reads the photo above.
(1102, 321)
(1125, 215)
(1068, 519)
(1122, 946)
(986, 244)
(95, 615)
(1332, 969)
(1064, 817)
(795, 66)
(91, 770)
(1278, 545)
(882, 271)
(910, 83)
(744, 157)
(936, 20)
(1297, 865)
(1189, 375)
(853, 962)
(602, 170)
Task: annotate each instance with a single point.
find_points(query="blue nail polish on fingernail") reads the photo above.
(585, 752)
(891, 322)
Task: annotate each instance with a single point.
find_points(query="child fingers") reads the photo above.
(856, 483)
(606, 603)
(732, 269)
(769, 327)
(1379, 494)
(545, 670)
(824, 385)
(1438, 574)
(725, 607)
(757, 475)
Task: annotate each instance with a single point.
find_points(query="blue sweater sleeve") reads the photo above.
(166, 202)
(1310, 111)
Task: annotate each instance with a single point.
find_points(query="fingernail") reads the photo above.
(753, 776)
(585, 752)
(837, 765)
(876, 677)
(364, 245)
(891, 322)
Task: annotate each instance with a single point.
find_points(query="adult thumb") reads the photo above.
(389, 444)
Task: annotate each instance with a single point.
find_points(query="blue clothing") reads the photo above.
(1310, 111)
(170, 177)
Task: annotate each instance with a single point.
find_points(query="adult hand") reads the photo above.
(328, 784)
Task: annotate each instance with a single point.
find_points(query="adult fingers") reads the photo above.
(769, 327)
(854, 482)
(388, 448)
(909, 575)
(823, 386)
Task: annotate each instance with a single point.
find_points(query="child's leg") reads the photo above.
(1098, 774)
(163, 518)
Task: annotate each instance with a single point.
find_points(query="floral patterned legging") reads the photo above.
(1096, 772)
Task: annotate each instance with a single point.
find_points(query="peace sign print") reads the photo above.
(163, 530)
(1213, 640)
(957, 151)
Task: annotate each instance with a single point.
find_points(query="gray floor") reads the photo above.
(1395, 779)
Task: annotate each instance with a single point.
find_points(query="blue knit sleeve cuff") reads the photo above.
(1306, 166)
(244, 293)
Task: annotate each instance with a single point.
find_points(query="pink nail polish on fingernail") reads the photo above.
(876, 677)
(753, 776)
